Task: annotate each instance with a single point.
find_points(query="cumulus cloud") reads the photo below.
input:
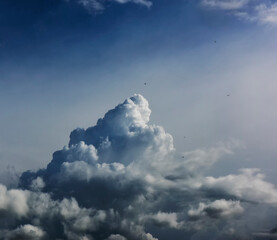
(13, 201)
(263, 12)
(217, 209)
(26, 232)
(122, 179)
(163, 219)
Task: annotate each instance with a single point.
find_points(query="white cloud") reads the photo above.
(217, 209)
(14, 201)
(248, 185)
(263, 12)
(266, 14)
(123, 177)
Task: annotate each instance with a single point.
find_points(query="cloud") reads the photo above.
(248, 185)
(266, 14)
(122, 179)
(91, 5)
(217, 209)
(225, 4)
(27, 232)
(262, 12)
(99, 5)
(163, 219)
(13, 201)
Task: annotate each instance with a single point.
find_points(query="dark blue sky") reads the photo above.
(45, 33)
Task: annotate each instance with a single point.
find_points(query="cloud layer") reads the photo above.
(123, 179)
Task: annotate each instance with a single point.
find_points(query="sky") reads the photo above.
(205, 69)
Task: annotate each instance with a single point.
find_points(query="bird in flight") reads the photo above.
(145, 83)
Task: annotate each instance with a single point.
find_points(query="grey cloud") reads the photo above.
(217, 209)
(248, 185)
(164, 219)
(25, 232)
(122, 179)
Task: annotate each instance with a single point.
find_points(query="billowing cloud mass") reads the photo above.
(122, 179)
(263, 12)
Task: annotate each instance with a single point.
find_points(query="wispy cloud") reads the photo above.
(225, 4)
(263, 12)
(99, 5)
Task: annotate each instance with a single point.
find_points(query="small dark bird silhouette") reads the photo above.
(145, 83)
(184, 136)
(214, 41)
(183, 156)
(228, 95)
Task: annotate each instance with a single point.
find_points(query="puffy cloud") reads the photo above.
(37, 184)
(248, 185)
(122, 179)
(217, 209)
(13, 201)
